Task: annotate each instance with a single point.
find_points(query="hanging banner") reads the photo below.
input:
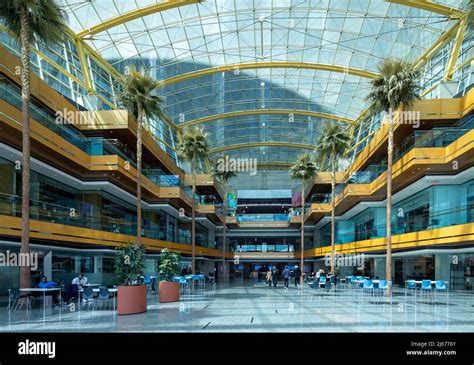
(296, 199)
(231, 201)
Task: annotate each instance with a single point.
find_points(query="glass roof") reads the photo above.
(355, 35)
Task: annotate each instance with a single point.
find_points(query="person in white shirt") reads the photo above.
(80, 280)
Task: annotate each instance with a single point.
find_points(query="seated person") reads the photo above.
(45, 284)
(70, 291)
(80, 280)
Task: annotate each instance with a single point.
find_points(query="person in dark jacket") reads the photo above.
(286, 276)
(274, 276)
(297, 276)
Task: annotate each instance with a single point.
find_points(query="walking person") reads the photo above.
(269, 278)
(297, 275)
(286, 277)
(274, 276)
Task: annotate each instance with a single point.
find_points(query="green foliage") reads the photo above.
(396, 85)
(139, 95)
(333, 138)
(470, 14)
(193, 144)
(46, 19)
(169, 264)
(224, 175)
(129, 263)
(303, 169)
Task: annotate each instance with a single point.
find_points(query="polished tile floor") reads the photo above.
(244, 308)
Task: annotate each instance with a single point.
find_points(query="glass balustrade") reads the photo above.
(262, 217)
(432, 220)
(78, 215)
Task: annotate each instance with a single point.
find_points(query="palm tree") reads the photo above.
(395, 86)
(470, 14)
(193, 147)
(334, 142)
(139, 96)
(303, 169)
(26, 19)
(224, 175)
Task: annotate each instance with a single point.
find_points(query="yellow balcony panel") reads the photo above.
(52, 232)
(102, 120)
(264, 224)
(231, 220)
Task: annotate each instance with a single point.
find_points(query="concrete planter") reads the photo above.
(131, 299)
(169, 291)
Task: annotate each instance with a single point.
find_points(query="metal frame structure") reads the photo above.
(85, 52)
(265, 111)
(256, 65)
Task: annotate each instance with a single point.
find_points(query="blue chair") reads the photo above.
(322, 281)
(426, 287)
(383, 285)
(147, 280)
(368, 286)
(88, 295)
(13, 297)
(183, 284)
(104, 296)
(440, 286)
(410, 285)
(201, 279)
(352, 281)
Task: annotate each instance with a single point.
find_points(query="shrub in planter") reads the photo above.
(129, 264)
(168, 268)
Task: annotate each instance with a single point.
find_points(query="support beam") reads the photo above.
(430, 6)
(265, 111)
(262, 144)
(256, 65)
(437, 46)
(86, 71)
(134, 14)
(457, 43)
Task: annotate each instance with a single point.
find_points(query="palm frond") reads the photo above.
(335, 138)
(220, 172)
(193, 143)
(396, 85)
(140, 94)
(470, 14)
(47, 21)
(303, 168)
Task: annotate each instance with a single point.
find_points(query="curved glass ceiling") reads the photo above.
(172, 38)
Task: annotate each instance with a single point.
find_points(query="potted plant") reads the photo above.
(169, 267)
(129, 264)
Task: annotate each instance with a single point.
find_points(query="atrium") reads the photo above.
(237, 166)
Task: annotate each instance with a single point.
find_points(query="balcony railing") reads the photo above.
(78, 215)
(262, 217)
(430, 220)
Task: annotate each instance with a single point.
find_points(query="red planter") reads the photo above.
(169, 291)
(131, 299)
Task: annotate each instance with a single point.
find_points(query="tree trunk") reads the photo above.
(333, 209)
(25, 97)
(302, 235)
(193, 216)
(225, 229)
(388, 267)
(139, 176)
